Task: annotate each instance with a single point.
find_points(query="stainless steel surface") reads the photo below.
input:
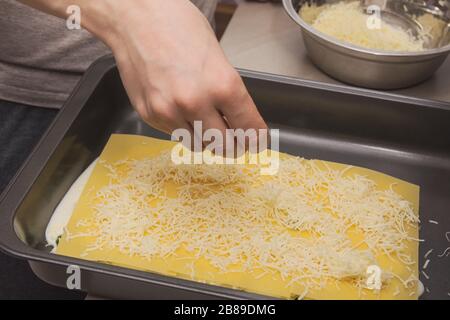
(374, 68)
(404, 137)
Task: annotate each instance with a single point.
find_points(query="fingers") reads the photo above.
(164, 117)
(195, 106)
(240, 112)
(226, 105)
(207, 122)
(218, 105)
(236, 104)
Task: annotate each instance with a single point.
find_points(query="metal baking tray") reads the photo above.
(405, 137)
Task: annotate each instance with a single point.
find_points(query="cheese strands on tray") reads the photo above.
(316, 229)
(347, 22)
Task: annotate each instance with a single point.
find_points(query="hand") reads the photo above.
(173, 68)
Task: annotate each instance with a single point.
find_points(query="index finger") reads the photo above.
(240, 110)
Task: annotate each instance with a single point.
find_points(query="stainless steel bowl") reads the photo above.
(375, 68)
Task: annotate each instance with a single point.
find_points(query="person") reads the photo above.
(170, 63)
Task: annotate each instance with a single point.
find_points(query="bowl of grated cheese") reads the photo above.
(387, 44)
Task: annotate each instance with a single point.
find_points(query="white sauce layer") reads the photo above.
(65, 208)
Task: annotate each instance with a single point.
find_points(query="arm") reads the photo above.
(170, 62)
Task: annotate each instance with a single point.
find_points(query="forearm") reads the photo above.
(170, 62)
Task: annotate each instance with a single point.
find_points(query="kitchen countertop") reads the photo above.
(261, 37)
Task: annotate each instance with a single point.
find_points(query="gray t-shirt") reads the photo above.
(41, 60)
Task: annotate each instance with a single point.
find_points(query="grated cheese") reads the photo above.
(347, 22)
(445, 253)
(428, 253)
(296, 223)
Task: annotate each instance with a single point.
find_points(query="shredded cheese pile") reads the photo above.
(347, 22)
(296, 223)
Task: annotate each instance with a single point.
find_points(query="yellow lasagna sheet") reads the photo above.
(185, 265)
